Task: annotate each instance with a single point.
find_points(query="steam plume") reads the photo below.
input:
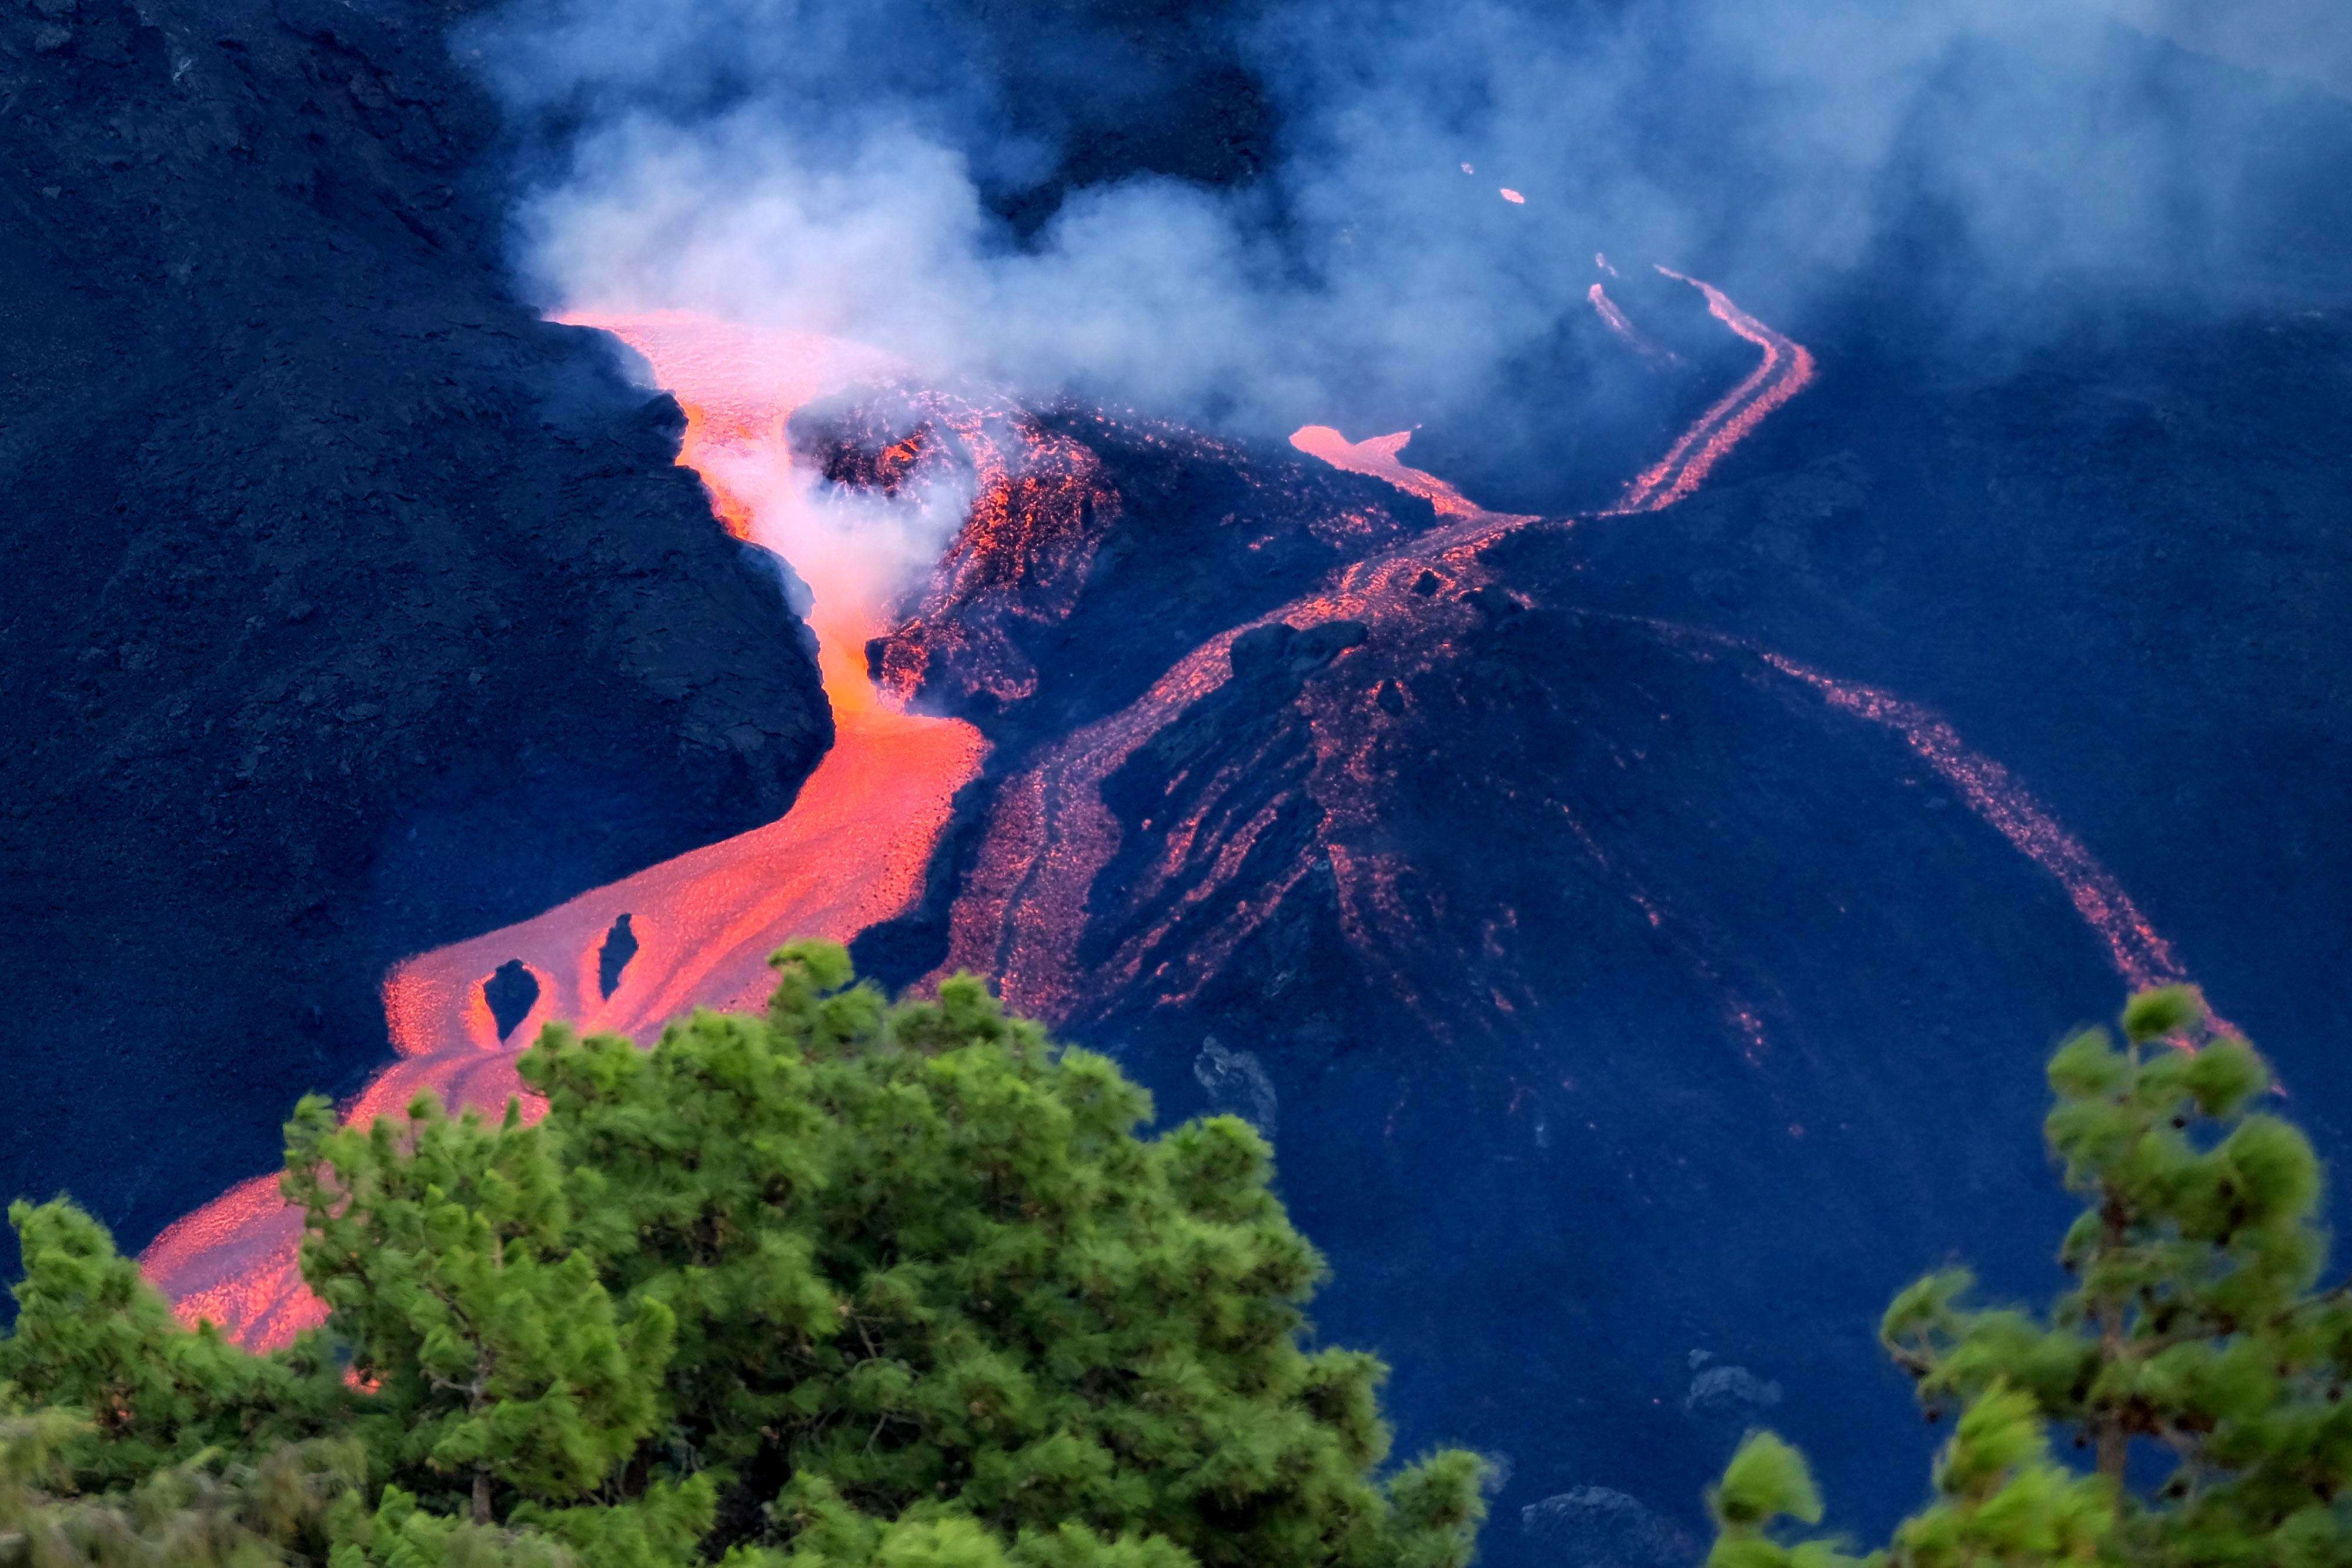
(875, 169)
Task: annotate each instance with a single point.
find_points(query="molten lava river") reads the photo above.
(854, 849)
(850, 852)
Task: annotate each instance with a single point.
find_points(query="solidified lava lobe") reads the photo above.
(851, 852)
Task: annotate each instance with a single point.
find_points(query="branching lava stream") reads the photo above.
(854, 849)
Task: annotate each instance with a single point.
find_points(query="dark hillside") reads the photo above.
(329, 579)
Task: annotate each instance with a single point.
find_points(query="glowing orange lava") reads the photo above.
(1049, 836)
(1634, 336)
(1781, 374)
(2140, 953)
(851, 852)
(1041, 501)
(855, 846)
(1377, 458)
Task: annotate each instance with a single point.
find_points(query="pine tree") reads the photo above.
(838, 1284)
(492, 1350)
(2198, 1367)
(920, 1255)
(91, 1337)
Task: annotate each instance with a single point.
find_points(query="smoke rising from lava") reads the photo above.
(876, 171)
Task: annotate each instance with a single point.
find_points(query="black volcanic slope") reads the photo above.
(1633, 1021)
(345, 608)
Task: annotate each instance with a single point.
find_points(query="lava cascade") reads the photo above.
(1039, 505)
(852, 849)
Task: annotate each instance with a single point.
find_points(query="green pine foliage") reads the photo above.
(2195, 1361)
(840, 1285)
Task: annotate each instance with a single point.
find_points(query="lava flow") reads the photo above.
(1780, 375)
(1049, 835)
(1617, 322)
(855, 846)
(1377, 458)
(851, 852)
(2138, 951)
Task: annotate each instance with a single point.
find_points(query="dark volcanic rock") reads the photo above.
(1626, 1004)
(346, 609)
(1102, 549)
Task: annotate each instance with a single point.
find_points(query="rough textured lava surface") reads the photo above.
(347, 609)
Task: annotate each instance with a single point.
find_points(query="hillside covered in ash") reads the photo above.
(346, 607)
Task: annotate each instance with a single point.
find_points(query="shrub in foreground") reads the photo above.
(2195, 1362)
(840, 1284)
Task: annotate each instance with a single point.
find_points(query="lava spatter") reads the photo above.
(852, 850)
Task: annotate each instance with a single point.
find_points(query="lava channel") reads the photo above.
(850, 852)
(1048, 835)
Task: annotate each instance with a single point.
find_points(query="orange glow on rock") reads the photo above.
(852, 850)
(1049, 837)
(2137, 950)
(1040, 504)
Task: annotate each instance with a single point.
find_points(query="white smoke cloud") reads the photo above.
(2306, 39)
(828, 166)
(855, 549)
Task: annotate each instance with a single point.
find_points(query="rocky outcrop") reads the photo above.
(346, 608)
